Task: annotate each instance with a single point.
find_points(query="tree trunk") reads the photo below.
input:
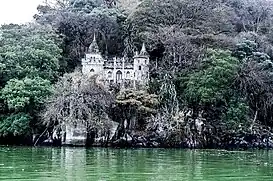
(253, 121)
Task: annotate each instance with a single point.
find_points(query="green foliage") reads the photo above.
(236, 115)
(15, 124)
(245, 49)
(28, 50)
(135, 107)
(137, 101)
(213, 80)
(85, 5)
(189, 40)
(78, 21)
(254, 80)
(29, 62)
(26, 94)
(181, 27)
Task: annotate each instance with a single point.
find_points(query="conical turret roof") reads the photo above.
(94, 48)
(143, 51)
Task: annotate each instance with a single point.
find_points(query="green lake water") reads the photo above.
(71, 164)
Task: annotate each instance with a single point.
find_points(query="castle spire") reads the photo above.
(94, 48)
(143, 51)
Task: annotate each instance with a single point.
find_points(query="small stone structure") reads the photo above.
(123, 71)
(74, 135)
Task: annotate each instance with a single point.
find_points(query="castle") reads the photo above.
(123, 71)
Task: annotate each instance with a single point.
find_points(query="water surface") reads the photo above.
(20, 163)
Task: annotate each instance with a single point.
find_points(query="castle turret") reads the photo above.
(141, 66)
(94, 48)
(93, 62)
(143, 51)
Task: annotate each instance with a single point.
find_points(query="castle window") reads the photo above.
(139, 67)
(145, 61)
(109, 74)
(92, 70)
(128, 76)
(119, 75)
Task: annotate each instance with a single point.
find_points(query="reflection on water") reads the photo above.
(72, 164)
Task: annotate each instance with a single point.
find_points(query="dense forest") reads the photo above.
(211, 73)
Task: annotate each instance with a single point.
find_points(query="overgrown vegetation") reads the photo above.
(211, 69)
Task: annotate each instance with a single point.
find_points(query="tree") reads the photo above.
(254, 80)
(197, 22)
(15, 125)
(134, 107)
(252, 15)
(24, 99)
(212, 82)
(78, 21)
(128, 5)
(26, 95)
(78, 99)
(28, 50)
(29, 63)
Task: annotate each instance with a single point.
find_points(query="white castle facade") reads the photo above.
(123, 71)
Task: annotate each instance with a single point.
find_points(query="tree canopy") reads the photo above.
(211, 65)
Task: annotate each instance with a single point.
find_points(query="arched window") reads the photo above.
(139, 67)
(119, 75)
(128, 75)
(92, 70)
(109, 74)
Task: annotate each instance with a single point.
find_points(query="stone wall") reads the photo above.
(75, 135)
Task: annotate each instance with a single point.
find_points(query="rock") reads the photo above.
(128, 139)
(55, 135)
(243, 144)
(199, 125)
(270, 143)
(47, 142)
(255, 145)
(139, 145)
(155, 144)
(120, 143)
(141, 139)
(113, 129)
(99, 141)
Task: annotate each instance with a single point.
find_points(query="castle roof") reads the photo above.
(143, 51)
(94, 48)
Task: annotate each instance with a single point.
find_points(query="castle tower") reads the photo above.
(93, 62)
(141, 66)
